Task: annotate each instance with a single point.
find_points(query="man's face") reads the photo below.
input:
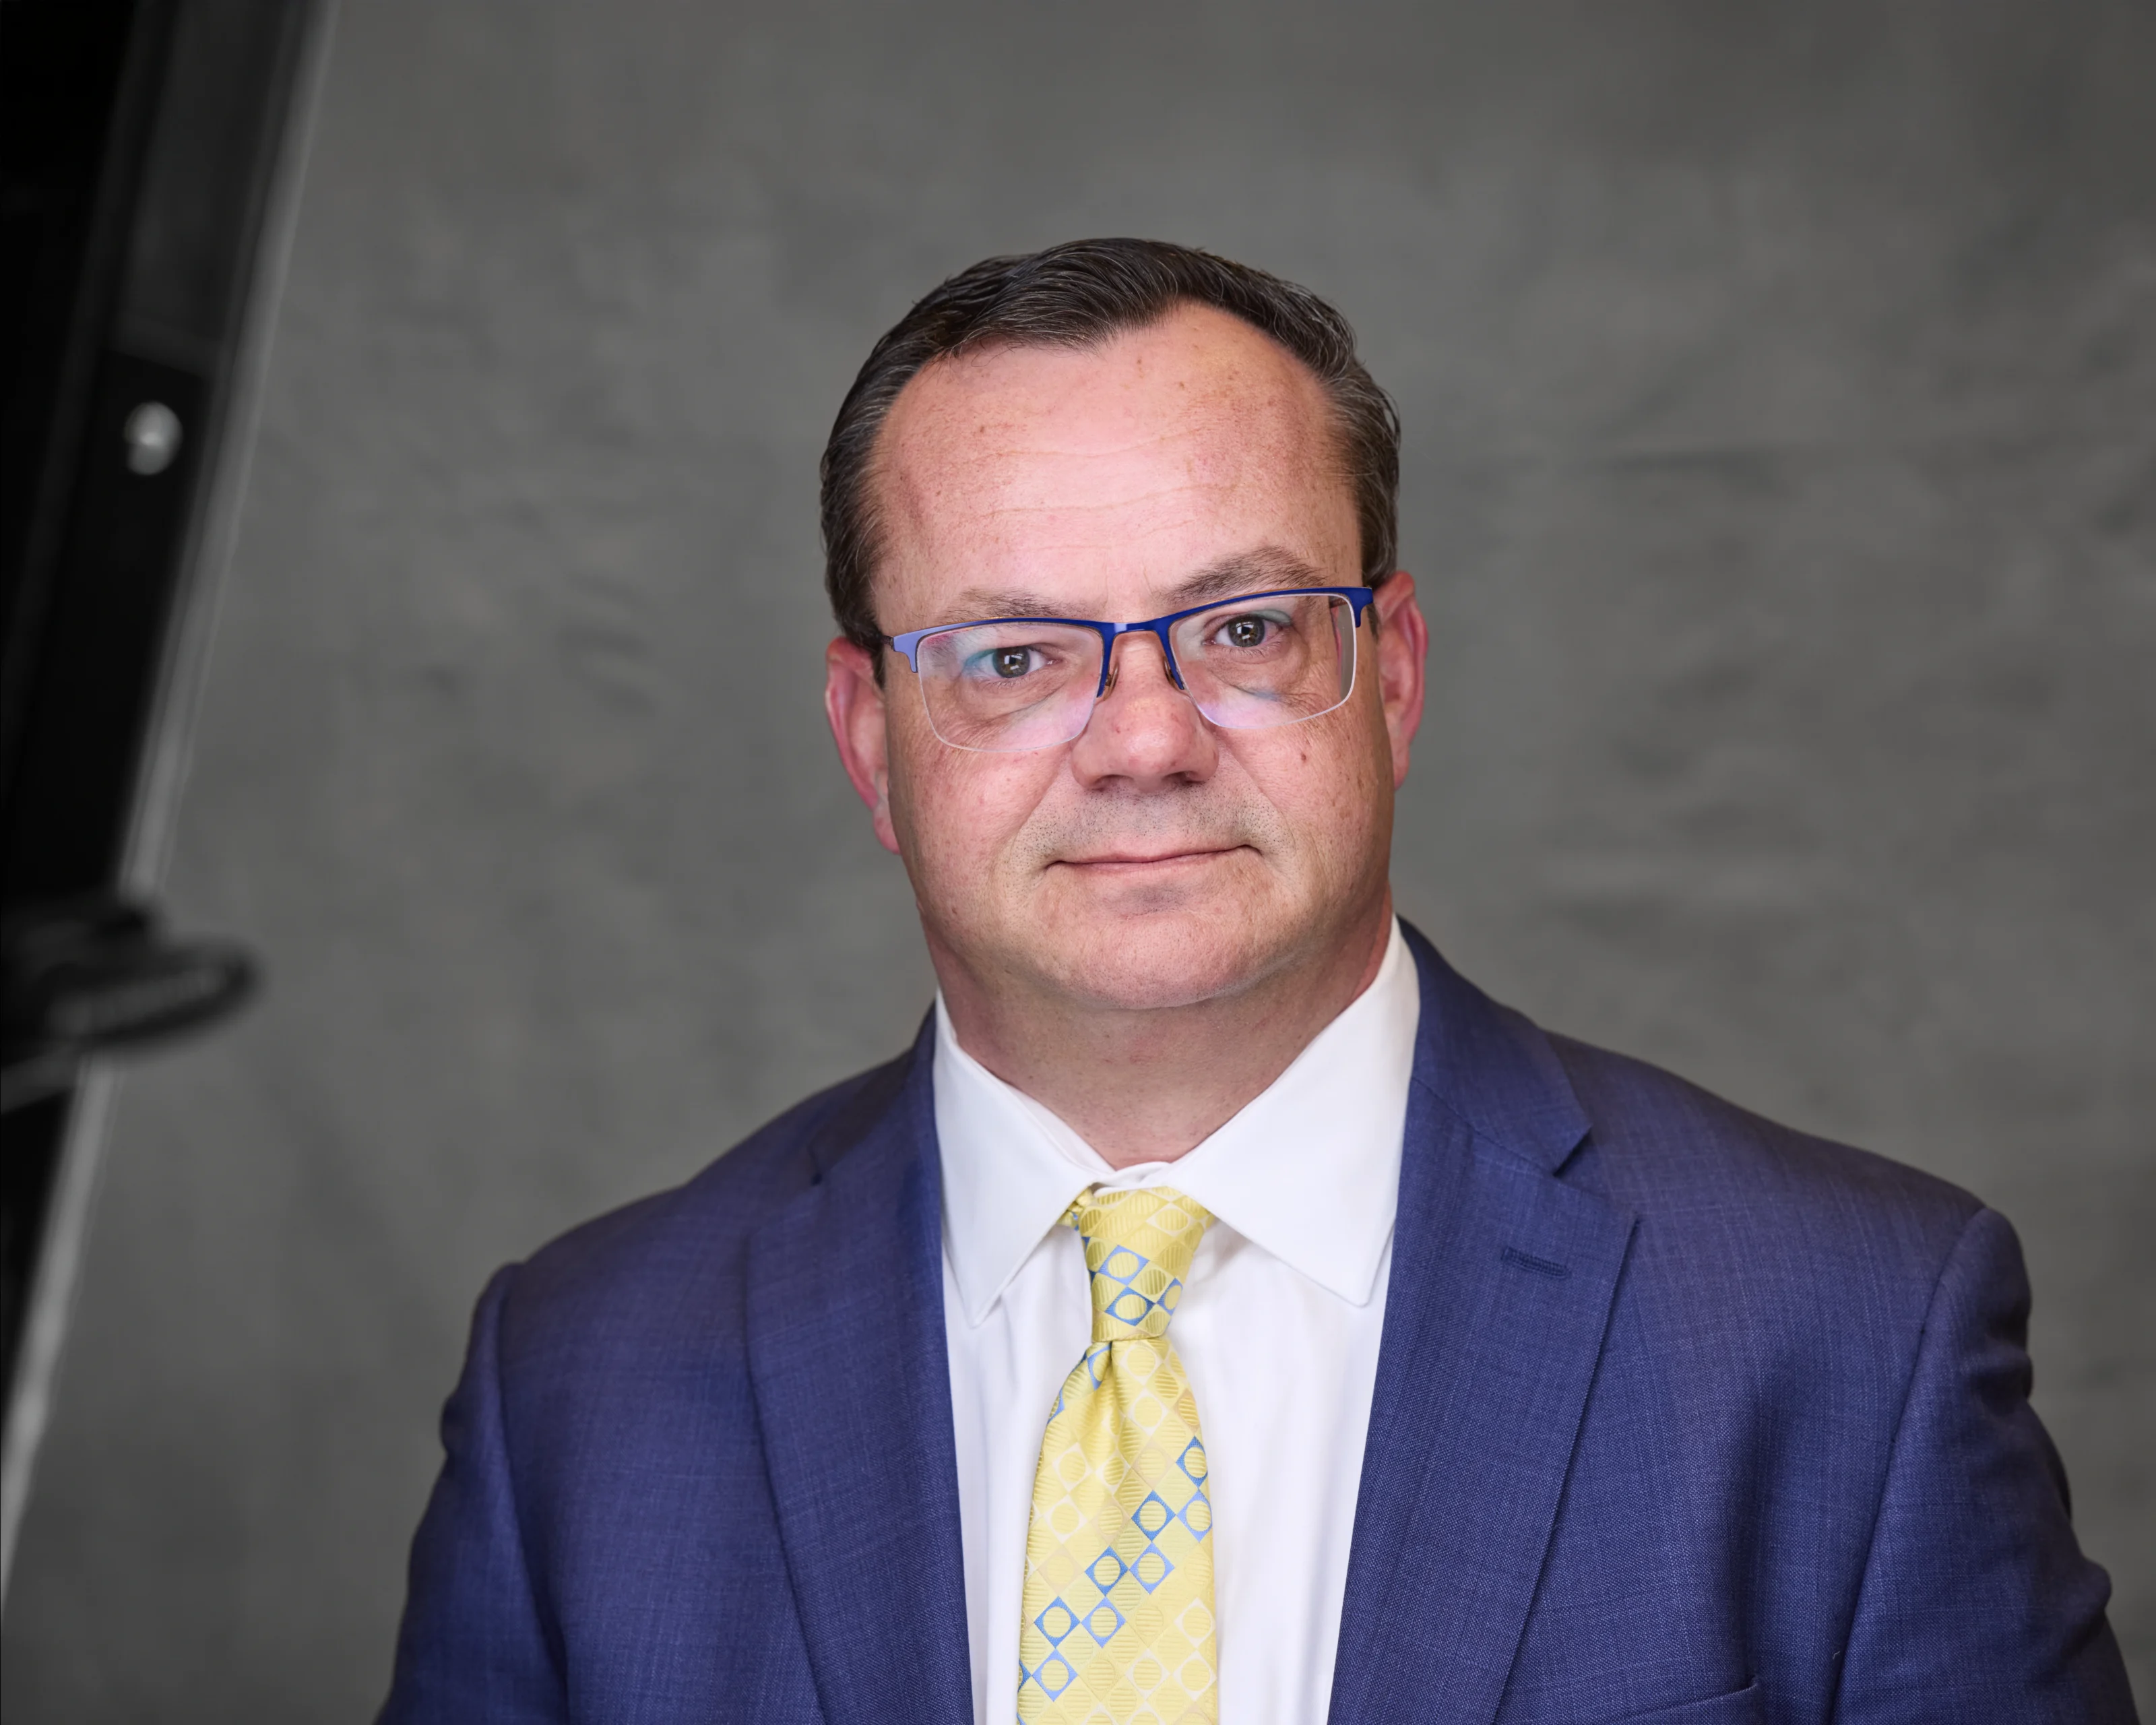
(1156, 861)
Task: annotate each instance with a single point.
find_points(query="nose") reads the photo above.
(1144, 733)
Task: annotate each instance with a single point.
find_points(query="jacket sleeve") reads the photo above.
(475, 1646)
(1976, 1601)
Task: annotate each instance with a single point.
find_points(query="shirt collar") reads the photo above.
(1308, 1171)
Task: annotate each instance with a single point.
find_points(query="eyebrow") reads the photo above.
(1269, 566)
(1258, 571)
(983, 604)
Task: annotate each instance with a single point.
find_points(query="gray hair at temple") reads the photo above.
(1079, 294)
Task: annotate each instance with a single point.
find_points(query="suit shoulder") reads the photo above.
(1692, 1163)
(697, 1229)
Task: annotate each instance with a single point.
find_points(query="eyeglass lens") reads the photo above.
(1249, 665)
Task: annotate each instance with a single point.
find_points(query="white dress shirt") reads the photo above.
(1278, 1329)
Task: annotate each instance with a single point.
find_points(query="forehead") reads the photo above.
(1098, 472)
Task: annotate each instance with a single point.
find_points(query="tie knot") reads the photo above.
(1138, 1248)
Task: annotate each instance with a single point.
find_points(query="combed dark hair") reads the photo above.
(1074, 296)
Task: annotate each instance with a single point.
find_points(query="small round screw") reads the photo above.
(152, 433)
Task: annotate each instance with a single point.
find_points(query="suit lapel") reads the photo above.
(847, 1354)
(1501, 1283)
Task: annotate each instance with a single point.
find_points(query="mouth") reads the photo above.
(1133, 862)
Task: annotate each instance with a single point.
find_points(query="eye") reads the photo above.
(1010, 662)
(1246, 631)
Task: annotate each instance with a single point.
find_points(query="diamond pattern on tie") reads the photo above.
(1118, 1626)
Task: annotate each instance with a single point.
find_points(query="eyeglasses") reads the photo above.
(1249, 663)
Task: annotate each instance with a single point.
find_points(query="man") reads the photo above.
(1509, 1379)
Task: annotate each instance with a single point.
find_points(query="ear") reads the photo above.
(1402, 642)
(854, 702)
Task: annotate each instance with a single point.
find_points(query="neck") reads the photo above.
(1151, 1084)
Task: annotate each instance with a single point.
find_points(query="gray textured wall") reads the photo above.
(1780, 386)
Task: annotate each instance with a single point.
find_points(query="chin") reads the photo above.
(1163, 960)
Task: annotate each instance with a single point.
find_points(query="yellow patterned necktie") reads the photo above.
(1118, 1614)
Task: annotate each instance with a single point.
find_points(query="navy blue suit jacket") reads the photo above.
(1680, 1417)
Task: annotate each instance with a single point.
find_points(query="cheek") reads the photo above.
(957, 815)
(1329, 789)
(1361, 769)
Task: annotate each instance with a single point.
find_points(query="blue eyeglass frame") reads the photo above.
(908, 645)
